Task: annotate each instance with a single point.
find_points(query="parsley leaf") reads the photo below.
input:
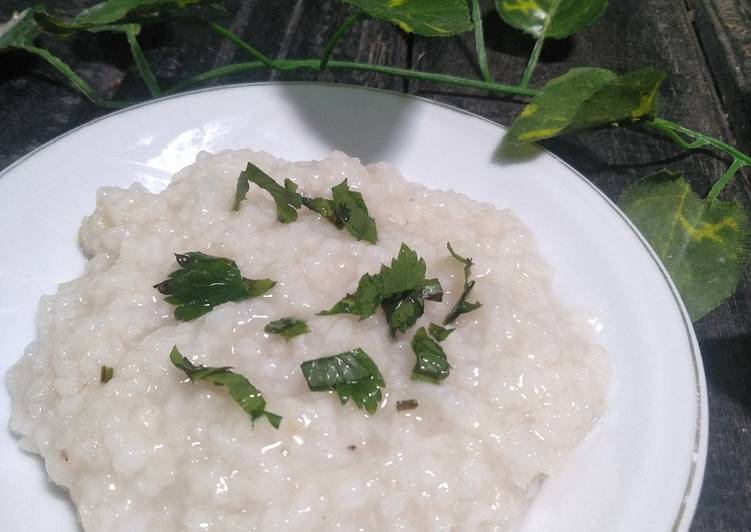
(285, 197)
(350, 374)
(287, 327)
(462, 306)
(406, 272)
(204, 281)
(364, 302)
(400, 289)
(438, 332)
(239, 388)
(106, 374)
(346, 209)
(431, 365)
(324, 207)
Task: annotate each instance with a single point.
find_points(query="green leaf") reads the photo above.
(20, 30)
(585, 98)
(351, 211)
(324, 207)
(287, 327)
(352, 374)
(346, 209)
(363, 303)
(462, 306)
(550, 18)
(105, 374)
(403, 310)
(285, 197)
(430, 18)
(438, 332)
(401, 289)
(240, 389)
(704, 245)
(113, 11)
(431, 365)
(406, 272)
(109, 13)
(204, 281)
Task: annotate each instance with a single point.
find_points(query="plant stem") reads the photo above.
(724, 179)
(131, 32)
(294, 64)
(666, 126)
(677, 133)
(482, 57)
(533, 60)
(328, 49)
(254, 52)
(74, 79)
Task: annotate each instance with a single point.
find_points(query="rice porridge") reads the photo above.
(149, 450)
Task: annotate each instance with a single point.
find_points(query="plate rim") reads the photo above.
(692, 491)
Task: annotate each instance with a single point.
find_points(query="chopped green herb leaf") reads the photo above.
(406, 272)
(240, 389)
(350, 374)
(324, 207)
(287, 327)
(403, 310)
(364, 302)
(351, 210)
(346, 209)
(106, 374)
(462, 306)
(432, 290)
(406, 404)
(285, 197)
(431, 365)
(438, 332)
(204, 281)
(401, 289)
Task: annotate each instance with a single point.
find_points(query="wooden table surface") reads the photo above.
(703, 45)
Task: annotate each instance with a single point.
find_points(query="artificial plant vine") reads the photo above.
(702, 242)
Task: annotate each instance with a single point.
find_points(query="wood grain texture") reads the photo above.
(700, 43)
(724, 27)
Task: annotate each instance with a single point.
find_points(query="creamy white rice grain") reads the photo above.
(149, 451)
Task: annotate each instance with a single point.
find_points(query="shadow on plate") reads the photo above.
(374, 130)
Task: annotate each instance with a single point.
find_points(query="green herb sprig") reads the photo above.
(352, 374)
(239, 388)
(401, 289)
(346, 209)
(204, 281)
(287, 327)
(462, 306)
(285, 197)
(431, 364)
(583, 98)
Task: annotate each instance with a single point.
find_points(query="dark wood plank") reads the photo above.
(724, 27)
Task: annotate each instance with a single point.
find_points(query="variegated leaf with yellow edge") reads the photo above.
(430, 18)
(585, 98)
(703, 244)
(550, 18)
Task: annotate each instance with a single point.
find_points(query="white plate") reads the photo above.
(642, 466)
